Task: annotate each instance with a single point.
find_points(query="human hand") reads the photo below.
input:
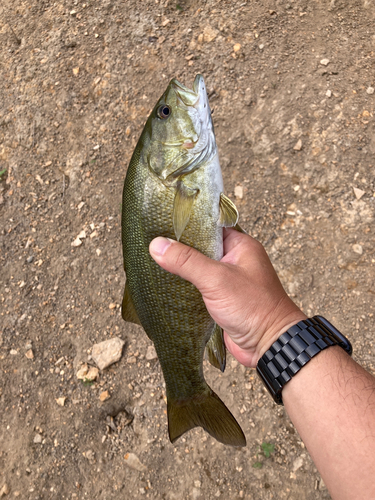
(242, 292)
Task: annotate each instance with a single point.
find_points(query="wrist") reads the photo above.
(279, 326)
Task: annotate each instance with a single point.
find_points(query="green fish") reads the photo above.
(174, 188)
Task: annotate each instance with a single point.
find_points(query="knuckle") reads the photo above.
(184, 257)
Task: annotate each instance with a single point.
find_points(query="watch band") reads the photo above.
(294, 348)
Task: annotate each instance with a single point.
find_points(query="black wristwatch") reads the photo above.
(294, 348)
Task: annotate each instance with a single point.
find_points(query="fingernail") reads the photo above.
(159, 245)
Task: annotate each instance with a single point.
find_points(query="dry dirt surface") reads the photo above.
(292, 87)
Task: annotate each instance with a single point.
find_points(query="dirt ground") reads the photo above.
(291, 84)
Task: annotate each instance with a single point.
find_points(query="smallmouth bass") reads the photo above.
(174, 188)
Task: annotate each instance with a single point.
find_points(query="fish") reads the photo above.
(174, 188)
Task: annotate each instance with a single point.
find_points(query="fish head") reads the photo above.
(181, 130)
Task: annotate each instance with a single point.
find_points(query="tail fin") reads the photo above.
(208, 411)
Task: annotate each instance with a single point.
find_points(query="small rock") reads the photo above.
(82, 372)
(357, 248)
(238, 192)
(29, 354)
(209, 34)
(13, 352)
(370, 90)
(75, 71)
(151, 353)
(60, 401)
(298, 145)
(104, 396)
(76, 243)
(358, 193)
(236, 47)
(324, 62)
(90, 455)
(108, 352)
(92, 374)
(4, 490)
(112, 305)
(297, 464)
(37, 439)
(261, 46)
(328, 93)
(133, 462)
(196, 493)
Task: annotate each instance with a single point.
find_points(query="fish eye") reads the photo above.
(164, 111)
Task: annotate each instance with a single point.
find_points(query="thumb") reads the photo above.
(183, 260)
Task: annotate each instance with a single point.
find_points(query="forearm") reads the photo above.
(331, 402)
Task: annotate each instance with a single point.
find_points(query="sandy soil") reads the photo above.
(291, 84)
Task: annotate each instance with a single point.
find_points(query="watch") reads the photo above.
(294, 348)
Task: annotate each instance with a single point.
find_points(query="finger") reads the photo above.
(183, 260)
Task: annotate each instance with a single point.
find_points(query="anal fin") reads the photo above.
(216, 349)
(128, 311)
(183, 204)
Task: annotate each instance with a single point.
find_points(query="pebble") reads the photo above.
(108, 352)
(13, 352)
(60, 401)
(236, 47)
(104, 396)
(29, 354)
(328, 93)
(370, 90)
(37, 439)
(4, 490)
(87, 373)
(112, 305)
(151, 353)
(209, 34)
(357, 248)
(324, 62)
(133, 462)
(90, 455)
(358, 193)
(297, 464)
(238, 192)
(76, 243)
(298, 145)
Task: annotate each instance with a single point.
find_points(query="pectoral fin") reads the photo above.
(216, 349)
(128, 310)
(228, 212)
(183, 204)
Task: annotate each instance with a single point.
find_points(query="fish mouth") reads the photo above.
(190, 97)
(193, 98)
